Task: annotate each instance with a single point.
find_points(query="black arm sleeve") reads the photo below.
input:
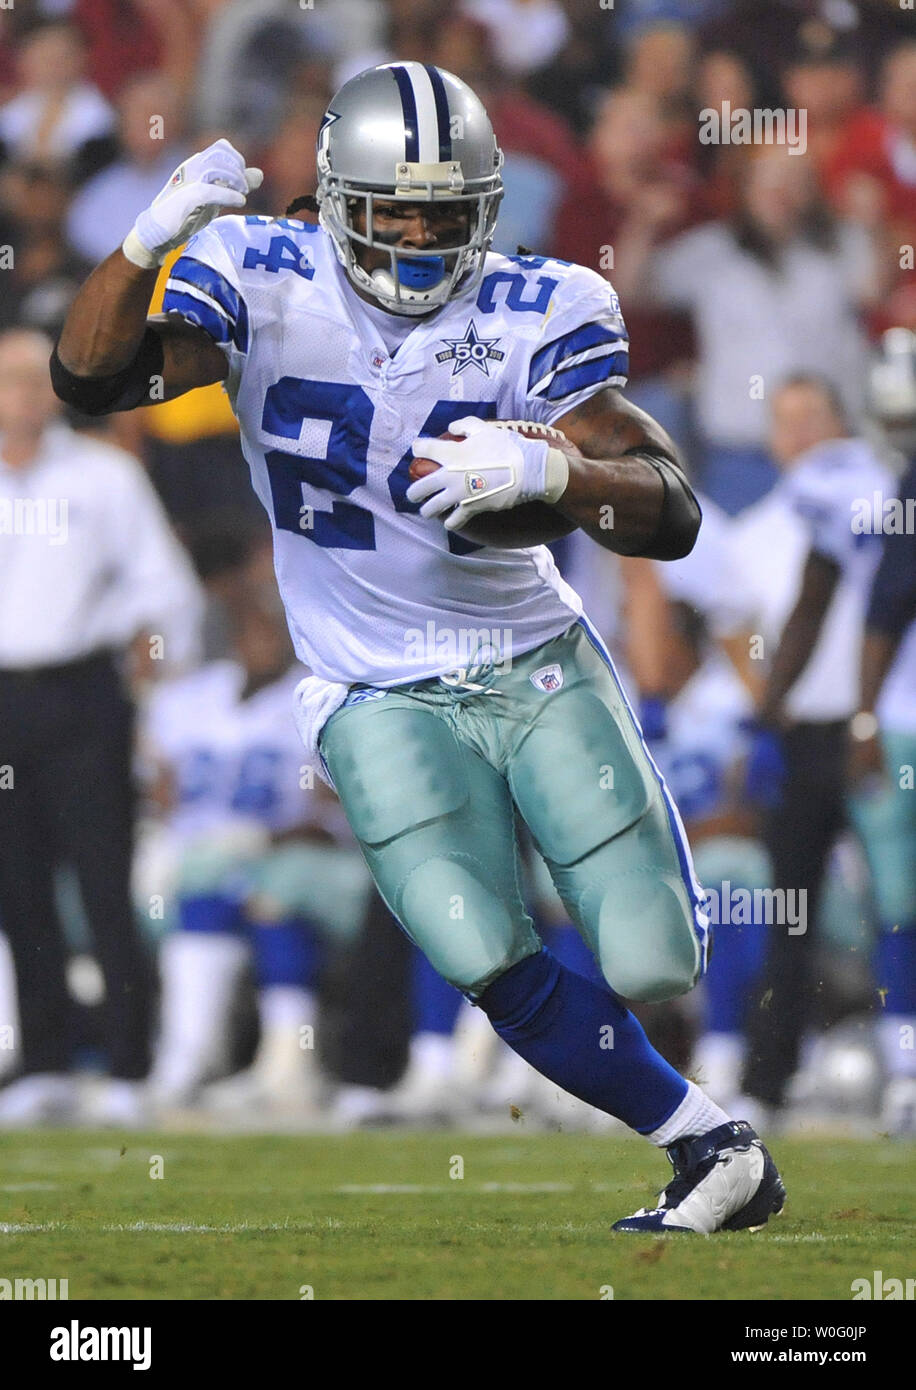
(123, 390)
(679, 523)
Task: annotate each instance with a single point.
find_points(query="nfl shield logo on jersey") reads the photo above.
(548, 678)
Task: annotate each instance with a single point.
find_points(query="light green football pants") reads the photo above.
(430, 777)
(886, 821)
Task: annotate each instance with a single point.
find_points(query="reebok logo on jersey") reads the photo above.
(363, 693)
(548, 678)
(470, 351)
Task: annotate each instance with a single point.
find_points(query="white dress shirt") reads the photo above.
(88, 558)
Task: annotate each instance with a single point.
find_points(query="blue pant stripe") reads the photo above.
(688, 874)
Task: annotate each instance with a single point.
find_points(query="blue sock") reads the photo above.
(210, 912)
(285, 953)
(570, 950)
(895, 969)
(579, 1035)
(435, 1001)
(737, 960)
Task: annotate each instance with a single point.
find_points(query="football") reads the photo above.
(530, 523)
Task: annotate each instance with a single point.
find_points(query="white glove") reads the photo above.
(213, 179)
(491, 470)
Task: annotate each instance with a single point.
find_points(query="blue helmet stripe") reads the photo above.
(442, 117)
(411, 122)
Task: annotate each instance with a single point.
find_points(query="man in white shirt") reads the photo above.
(90, 569)
(810, 566)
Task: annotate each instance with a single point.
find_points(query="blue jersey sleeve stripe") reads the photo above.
(573, 379)
(588, 335)
(240, 333)
(204, 277)
(199, 312)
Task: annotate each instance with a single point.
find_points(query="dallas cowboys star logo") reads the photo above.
(470, 351)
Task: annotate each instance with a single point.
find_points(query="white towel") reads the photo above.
(315, 702)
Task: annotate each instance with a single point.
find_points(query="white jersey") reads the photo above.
(328, 411)
(813, 507)
(832, 488)
(233, 760)
(841, 490)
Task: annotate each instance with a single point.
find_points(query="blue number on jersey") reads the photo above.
(197, 776)
(436, 423)
(516, 285)
(290, 402)
(282, 254)
(256, 790)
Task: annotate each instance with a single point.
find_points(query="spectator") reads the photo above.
(45, 272)
(253, 55)
(660, 63)
(573, 83)
(827, 82)
(90, 572)
(722, 76)
(871, 177)
(130, 37)
(526, 34)
(111, 200)
(775, 289)
(634, 182)
(56, 112)
(640, 13)
(763, 34)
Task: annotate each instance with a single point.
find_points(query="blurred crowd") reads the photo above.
(763, 286)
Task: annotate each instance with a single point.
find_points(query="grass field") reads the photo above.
(378, 1216)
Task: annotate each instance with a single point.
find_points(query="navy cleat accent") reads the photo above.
(723, 1181)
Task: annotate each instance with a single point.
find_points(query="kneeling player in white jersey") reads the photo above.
(455, 675)
(263, 868)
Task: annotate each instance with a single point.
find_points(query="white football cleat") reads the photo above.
(723, 1181)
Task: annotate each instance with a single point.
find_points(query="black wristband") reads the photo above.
(103, 395)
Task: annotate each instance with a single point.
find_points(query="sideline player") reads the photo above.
(452, 680)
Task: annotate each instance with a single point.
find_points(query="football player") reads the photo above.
(455, 673)
(264, 866)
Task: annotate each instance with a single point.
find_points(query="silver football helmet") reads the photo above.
(409, 132)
